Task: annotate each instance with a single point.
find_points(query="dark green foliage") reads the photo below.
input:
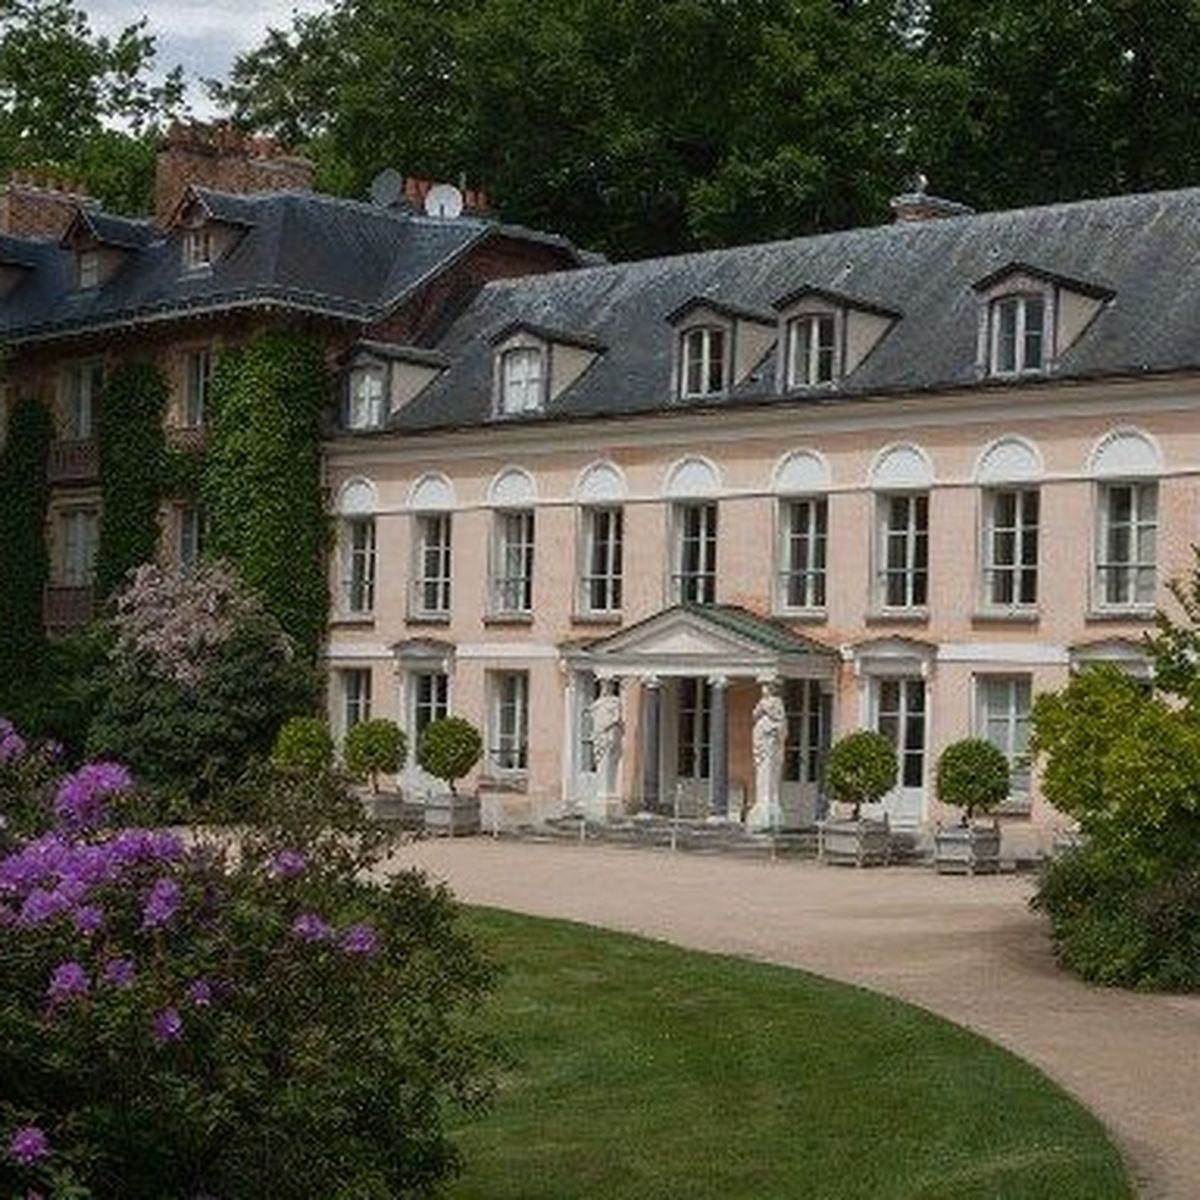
(449, 748)
(261, 479)
(374, 748)
(133, 453)
(304, 746)
(24, 558)
(972, 775)
(861, 768)
(183, 473)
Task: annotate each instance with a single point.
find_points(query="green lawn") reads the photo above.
(646, 1072)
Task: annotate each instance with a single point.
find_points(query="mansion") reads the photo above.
(904, 477)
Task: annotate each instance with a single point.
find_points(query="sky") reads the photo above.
(203, 36)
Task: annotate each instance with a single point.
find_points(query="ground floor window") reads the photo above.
(802, 750)
(431, 700)
(695, 728)
(588, 692)
(509, 739)
(900, 717)
(1003, 708)
(355, 686)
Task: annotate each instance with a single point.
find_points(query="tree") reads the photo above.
(861, 768)
(972, 775)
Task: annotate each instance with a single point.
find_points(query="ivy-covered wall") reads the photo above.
(261, 476)
(133, 459)
(24, 555)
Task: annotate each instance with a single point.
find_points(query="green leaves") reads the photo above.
(972, 775)
(862, 768)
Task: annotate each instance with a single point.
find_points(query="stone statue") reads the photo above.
(769, 734)
(607, 727)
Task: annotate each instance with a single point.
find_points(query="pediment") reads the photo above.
(677, 635)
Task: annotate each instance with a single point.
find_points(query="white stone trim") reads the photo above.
(357, 652)
(1024, 654)
(506, 651)
(601, 482)
(801, 472)
(692, 477)
(512, 487)
(1124, 452)
(432, 492)
(357, 498)
(901, 466)
(1009, 459)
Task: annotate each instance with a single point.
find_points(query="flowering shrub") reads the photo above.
(203, 1019)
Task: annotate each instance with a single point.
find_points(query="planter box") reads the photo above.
(854, 843)
(450, 816)
(969, 850)
(393, 808)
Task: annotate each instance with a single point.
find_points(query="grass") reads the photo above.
(645, 1072)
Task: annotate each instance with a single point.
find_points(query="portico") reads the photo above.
(688, 680)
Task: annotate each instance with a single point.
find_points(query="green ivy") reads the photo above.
(24, 556)
(183, 474)
(261, 479)
(133, 455)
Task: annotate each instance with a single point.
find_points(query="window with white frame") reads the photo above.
(811, 350)
(695, 554)
(365, 398)
(432, 583)
(1003, 708)
(522, 380)
(703, 361)
(197, 373)
(694, 755)
(358, 565)
(1010, 544)
(84, 382)
(1018, 334)
(198, 248)
(904, 550)
(1127, 544)
(603, 554)
(79, 538)
(355, 684)
(804, 744)
(88, 267)
(431, 699)
(189, 535)
(512, 582)
(804, 532)
(509, 741)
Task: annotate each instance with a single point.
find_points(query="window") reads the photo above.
(695, 728)
(197, 248)
(79, 530)
(695, 576)
(1127, 536)
(804, 745)
(432, 585)
(1018, 335)
(510, 720)
(83, 391)
(358, 565)
(513, 582)
(901, 719)
(522, 380)
(589, 691)
(189, 535)
(356, 696)
(805, 531)
(702, 365)
(1010, 567)
(603, 550)
(904, 535)
(431, 699)
(198, 371)
(88, 264)
(1003, 710)
(364, 409)
(810, 349)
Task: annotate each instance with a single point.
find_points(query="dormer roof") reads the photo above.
(547, 333)
(725, 308)
(840, 299)
(123, 233)
(1016, 267)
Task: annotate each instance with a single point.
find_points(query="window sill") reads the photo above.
(508, 619)
(1006, 616)
(344, 620)
(427, 619)
(600, 618)
(1140, 615)
(898, 616)
(516, 782)
(802, 616)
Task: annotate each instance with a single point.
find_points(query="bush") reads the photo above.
(374, 748)
(972, 775)
(861, 769)
(179, 1020)
(303, 746)
(449, 748)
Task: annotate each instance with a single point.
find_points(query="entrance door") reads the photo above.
(693, 746)
(900, 712)
(804, 750)
(583, 756)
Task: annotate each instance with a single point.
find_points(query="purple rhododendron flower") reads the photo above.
(168, 1026)
(162, 903)
(308, 927)
(67, 980)
(88, 919)
(12, 744)
(119, 972)
(27, 1145)
(79, 802)
(41, 906)
(200, 993)
(360, 939)
(286, 864)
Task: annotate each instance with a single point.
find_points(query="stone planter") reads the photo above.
(392, 807)
(447, 815)
(854, 843)
(967, 850)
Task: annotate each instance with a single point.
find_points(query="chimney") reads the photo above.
(225, 159)
(917, 204)
(39, 205)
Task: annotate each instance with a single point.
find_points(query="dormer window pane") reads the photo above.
(89, 270)
(365, 410)
(811, 351)
(522, 380)
(1019, 335)
(703, 365)
(197, 248)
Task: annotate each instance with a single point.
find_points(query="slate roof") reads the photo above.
(302, 250)
(1144, 249)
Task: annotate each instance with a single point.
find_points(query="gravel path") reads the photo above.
(968, 949)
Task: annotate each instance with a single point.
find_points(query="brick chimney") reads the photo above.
(917, 204)
(39, 205)
(225, 159)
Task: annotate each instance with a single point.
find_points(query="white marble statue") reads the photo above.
(769, 734)
(607, 728)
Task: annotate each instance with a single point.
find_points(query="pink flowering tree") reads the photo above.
(180, 1020)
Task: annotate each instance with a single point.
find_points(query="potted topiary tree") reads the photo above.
(972, 775)
(861, 769)
(303, 746)
(371, 749)
(448, 749)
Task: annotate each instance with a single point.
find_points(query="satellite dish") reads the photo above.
(387, 188)
(443, 200)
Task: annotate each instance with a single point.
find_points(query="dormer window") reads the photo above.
(522, 380)
(197, 248)
(364, 401)
(1018, 334)
(88, 266)
(811, 350)
(703, 361)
